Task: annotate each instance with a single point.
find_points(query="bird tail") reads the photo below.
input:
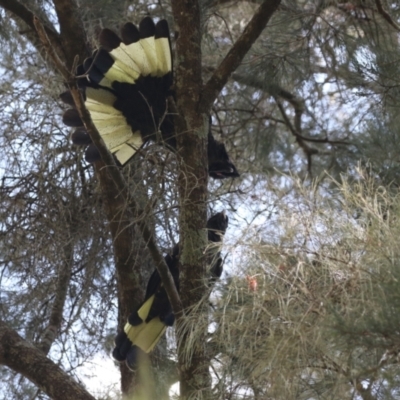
(125, 86)
(148, 332)
(146, 326)
(139, 335)
(147, 336)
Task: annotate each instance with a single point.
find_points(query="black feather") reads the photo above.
(125, 347)
(162, 29)
(134, 318)
(117, 355)
(147, 28)
(120, 339)
(80, 137)
(140, 79)
(102, 63)
(66, 98)
(138, 97)
(133, 357)
(71, 118)
(109, 40)
(92, 154)
(161, 307)
(219, 164)
(130, 33)
(217, 226)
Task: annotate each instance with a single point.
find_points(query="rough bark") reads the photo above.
(56, 316)
(192, 130)
(23, 357)
(72, 33)
(194, 103)
(121, 210)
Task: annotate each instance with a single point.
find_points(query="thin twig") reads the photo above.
(239, 50)
(386, 15)
(309, 151)
(113, 170)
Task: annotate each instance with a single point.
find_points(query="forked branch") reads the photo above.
(236, 54)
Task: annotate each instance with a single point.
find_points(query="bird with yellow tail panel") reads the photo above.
(149, 322)
(125, 85)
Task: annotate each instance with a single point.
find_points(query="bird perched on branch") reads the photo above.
(126, 84)
(148, 323)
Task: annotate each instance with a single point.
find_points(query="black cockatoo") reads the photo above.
(125, 85)
(148, 323)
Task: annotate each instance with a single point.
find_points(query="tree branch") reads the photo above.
(55, 320)
(119, 210)
(298, 105)
(21, 356)
(386, 15)
(235, 56)
(73, 35)
(192, 135)
(308, 151)
(27, 16)
(116, 181)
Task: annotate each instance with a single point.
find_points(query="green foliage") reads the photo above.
(322, 322)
